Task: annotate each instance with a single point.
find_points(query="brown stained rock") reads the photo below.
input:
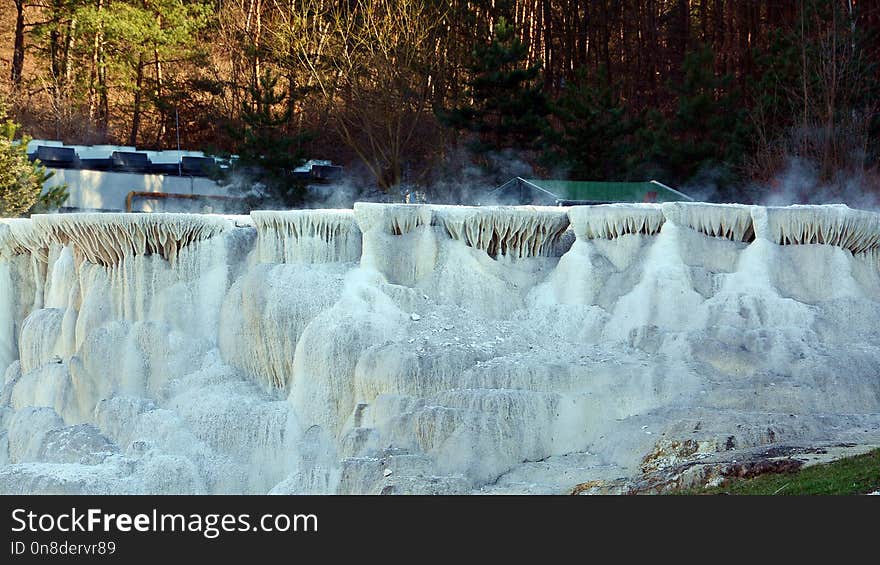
(670, 453)
(750, 469)
(589, 487)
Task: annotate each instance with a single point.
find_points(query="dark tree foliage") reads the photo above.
(705, 134)
(693, 93)
(267, 154)
(596, 134)
(508, 108)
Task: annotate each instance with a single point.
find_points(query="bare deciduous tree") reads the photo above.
(371, 61)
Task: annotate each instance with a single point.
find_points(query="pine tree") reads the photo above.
(595, 139)
(704, 136)
(507, 108)
(135, 47)
(268, 155)
(21, 181)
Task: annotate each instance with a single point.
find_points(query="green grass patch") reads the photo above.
(859, 474)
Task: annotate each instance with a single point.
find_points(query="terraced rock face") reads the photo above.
(429, 349)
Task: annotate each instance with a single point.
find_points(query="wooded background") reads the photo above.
(730, 100)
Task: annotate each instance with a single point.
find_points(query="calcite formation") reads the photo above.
(428, 349)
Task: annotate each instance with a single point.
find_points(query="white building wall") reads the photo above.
(107, 190)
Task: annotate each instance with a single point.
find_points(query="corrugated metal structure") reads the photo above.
(125, 159)
(542, 192)
(115, 178)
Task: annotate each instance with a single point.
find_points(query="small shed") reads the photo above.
(541, 192)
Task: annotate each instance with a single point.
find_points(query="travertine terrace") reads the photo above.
(427, 349)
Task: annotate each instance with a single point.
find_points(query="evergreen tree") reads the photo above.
(507, 108)
(703, 138)
(21, 181)
(595, 139)
(777, 76)
(267, 154)
(136, 47)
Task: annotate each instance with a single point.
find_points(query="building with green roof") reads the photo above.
(541, 192)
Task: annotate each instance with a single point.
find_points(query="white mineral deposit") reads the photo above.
(428, 349)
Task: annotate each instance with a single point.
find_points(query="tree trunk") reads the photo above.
(158, 96)
(98, 103)
(18, 48)
(258, 30)
(254, 28)
(704, 21)
(68, 48)
(719, 37)
(605, 42)
(292, 95)
(136, 112)
(549, 85)
(682, 26)
(104, 104)
(804, 67)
